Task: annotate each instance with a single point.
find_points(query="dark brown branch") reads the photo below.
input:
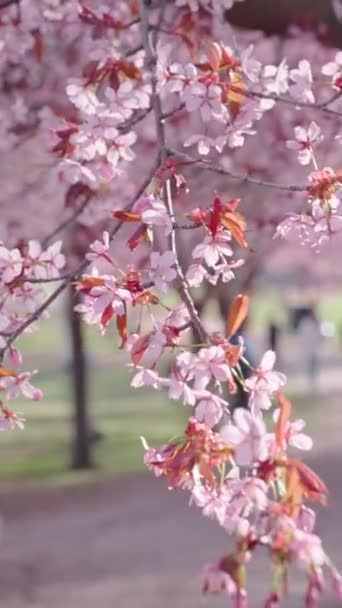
(70, 220)
(237, 176)
(321, 107)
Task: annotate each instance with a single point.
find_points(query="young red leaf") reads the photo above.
(107, 315)
(126, 216)
(6, 371)
(140, 235)
(139, 347)
(121, 324)
(283, 419)
(237, 314)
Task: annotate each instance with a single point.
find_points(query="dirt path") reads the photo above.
(125, 543)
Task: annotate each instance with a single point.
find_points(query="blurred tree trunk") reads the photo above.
(81, 446)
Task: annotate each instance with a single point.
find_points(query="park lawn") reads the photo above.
(119, 412)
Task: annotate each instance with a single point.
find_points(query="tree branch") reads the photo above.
(321, 107)
(66, 222)
(237, 176)
(183, 287)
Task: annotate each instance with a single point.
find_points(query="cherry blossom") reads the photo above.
(302, 79)
(11, 263)
(210, 408)
(161, 269)
(20, 384)
(213, 248)
(293, 434)
(156, 215)
(11, 420)
(305, 141)
(333, 69)
(248, 435)
(263, 383)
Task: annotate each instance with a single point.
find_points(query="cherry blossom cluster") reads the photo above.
(132, 81)
(22, 270)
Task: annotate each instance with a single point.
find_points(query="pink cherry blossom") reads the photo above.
(210, 408)
(213, 248)
(247, 435)
(20, 384)
(147, 377)
(161, 269)
(306, 519)
(275, 78)
(205, 143)
(305, 141)
(263, 383)
(156, 215)
(333, 69)
(216, 580)
(11, 263)
(206, 99)
(307, 549)
(302, 79)
(211, 363)
(11, 420)
(100, 249)
(293, 433)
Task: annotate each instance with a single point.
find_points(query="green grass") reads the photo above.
(121, 413)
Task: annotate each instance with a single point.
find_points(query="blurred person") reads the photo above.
(241, 397)
(273, 336)
(311, 341)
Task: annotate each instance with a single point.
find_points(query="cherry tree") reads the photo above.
(169, 150)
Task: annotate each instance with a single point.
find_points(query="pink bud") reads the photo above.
(37, 394)
(306, 519)
(14, 357)
(272, 601)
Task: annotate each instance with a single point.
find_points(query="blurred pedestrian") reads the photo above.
(311, 341)
(273, 336)
(241, 399)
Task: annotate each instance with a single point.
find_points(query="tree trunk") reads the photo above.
(81, 447)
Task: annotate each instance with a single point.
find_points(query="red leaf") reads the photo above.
(140, 235)
(75, 192)
(107, 315)
(215, 215)
(311, 484)
(139, 347)
(237, 314)
(5, 371)
(283, 419)
(121, 324)
(88, 283)
(126, 216)
(38, 46)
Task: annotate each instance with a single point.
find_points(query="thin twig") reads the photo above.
(183, 286)
(67, 222)
(237, 176)
(300, 104)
